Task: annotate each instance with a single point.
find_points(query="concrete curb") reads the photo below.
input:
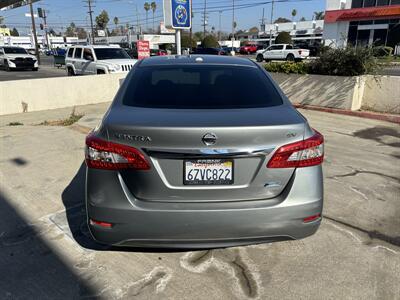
(362, 114)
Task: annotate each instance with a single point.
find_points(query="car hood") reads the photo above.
(12, 56)
(118, 61)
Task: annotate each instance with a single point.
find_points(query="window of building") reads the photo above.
(379, 37)
(357, 3)
(369, 3)
(352, 35)
(394, 2)
(382, 2)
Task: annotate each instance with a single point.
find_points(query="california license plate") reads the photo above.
(208, 172)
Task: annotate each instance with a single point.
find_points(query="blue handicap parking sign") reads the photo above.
(180, 13)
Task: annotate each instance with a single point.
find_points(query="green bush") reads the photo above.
(348, 61)
(209, 41)
(283, 38)
(287, 67)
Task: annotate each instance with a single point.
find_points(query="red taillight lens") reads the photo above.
(309, 152)
(105, 155)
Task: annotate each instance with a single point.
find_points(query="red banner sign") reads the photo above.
(366, 13)
(143, 49)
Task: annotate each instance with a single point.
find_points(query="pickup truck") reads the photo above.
(282, 52)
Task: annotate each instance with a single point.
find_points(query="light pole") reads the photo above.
(233, 26)
(34, 32)
(270, 25)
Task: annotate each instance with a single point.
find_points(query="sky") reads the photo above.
(248, 13)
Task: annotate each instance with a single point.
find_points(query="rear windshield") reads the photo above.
(207, 86)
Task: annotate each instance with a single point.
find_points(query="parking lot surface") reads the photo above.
(46, 70)
(45, 250)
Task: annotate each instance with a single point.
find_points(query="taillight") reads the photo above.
(309, 152)
(101, 154)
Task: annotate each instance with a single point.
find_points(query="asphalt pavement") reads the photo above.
(46, 253)
(46, 70)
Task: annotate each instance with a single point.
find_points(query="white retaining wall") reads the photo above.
(378, 93)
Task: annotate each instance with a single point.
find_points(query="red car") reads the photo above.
(248, 49)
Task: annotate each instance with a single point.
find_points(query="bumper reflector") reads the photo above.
(311, 218)
(101, 224)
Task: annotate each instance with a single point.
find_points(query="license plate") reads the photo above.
(208, 172)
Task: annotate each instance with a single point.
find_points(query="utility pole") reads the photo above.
(205, 18)
(45, 27)
(90, 12)
(34, 32)
(191, 27)
(270, 28)
(262, 27)
(233, 25)
(219, 31)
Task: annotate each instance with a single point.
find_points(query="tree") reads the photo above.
(153, 6)
(81, 33)
(253, 29)
(283, 38)
(102, 20)
(282, 20)
(302, 19)
(198, 35)
(14, 32)
(319, 15)
(71, 29)
(147, 8)
(185, 41)
(209, 41)
(294, 13)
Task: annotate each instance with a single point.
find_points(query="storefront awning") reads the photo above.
(365, 13)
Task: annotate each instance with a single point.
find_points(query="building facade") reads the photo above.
(362, 23)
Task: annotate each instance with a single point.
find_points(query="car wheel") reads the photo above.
(100, 72)
(290, 57)
(35, 69)
(260, 58)
(70, 72)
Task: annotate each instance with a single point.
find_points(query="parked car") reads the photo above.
(210, 51)
(158, 52)
(282, 52)
(314, 48)
(17, 58)
(202, 151)
(248, 49)
(228, 50)
(96, 59)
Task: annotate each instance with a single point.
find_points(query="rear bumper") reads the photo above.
(203, 225)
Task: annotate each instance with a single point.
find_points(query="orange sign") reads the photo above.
(143, 49)
(366, 13)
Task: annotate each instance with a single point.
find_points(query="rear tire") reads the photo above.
(260, 58)
(70, 72)
(35, 69)
(6, 66)
(100, 72)
(290, 57)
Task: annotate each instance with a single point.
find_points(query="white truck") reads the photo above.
(282, 52)
(97, 59)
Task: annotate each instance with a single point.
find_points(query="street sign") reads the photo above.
(177, 14)
(143, 48)
(101, 33)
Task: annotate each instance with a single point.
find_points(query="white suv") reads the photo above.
(96, 59)
(17, 58)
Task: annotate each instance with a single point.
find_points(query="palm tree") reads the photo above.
(294, 13)
(116, 21)
(319, 15)
(147, 8)
(153, 6)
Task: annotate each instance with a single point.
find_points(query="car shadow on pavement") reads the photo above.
(29, 267)
(73, 198)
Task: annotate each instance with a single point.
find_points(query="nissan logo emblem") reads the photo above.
(209, 139)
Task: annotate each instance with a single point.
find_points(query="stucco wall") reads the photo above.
(51, 93)
(382, 94)
(319, 90)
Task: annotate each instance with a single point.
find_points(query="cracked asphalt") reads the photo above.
(46, 253)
